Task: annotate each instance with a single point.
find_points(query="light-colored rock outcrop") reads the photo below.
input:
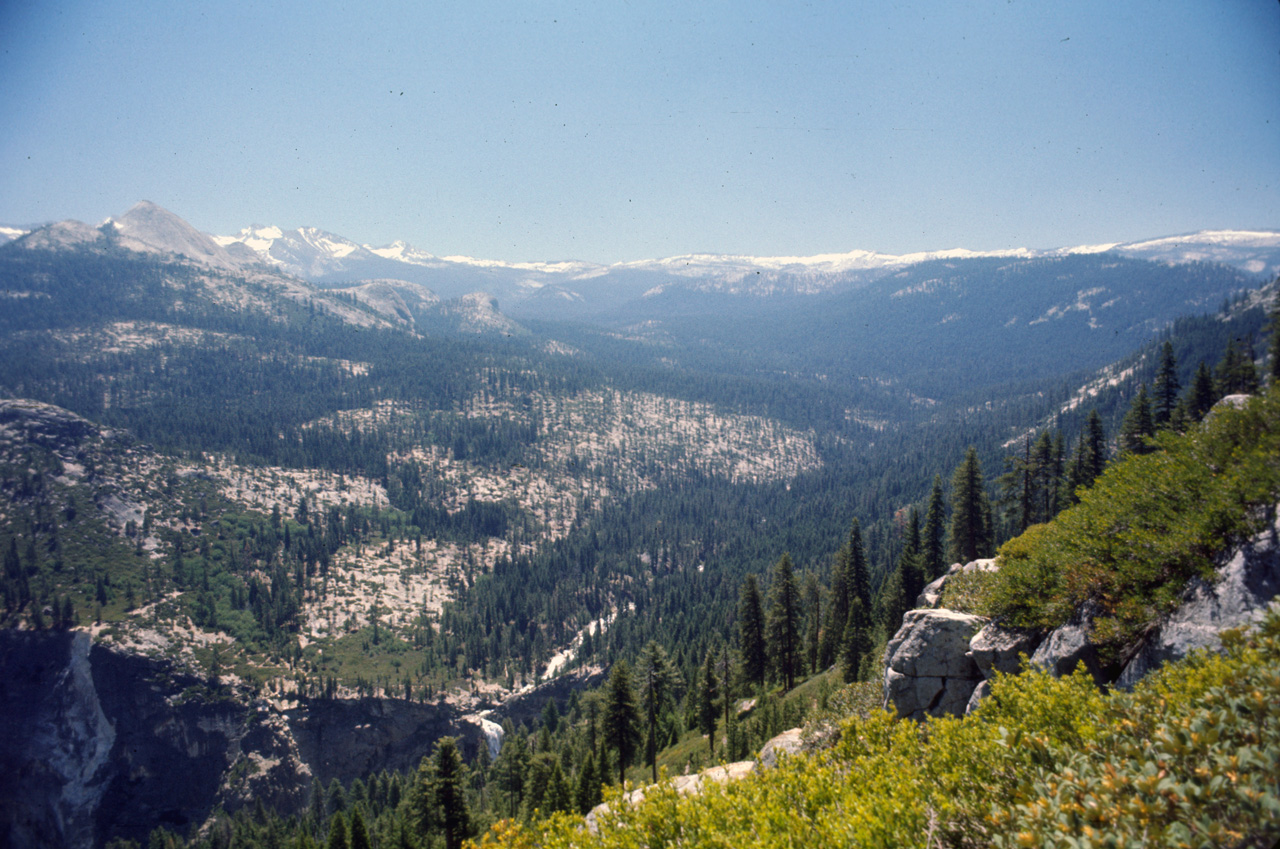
(788, 742)
(684, 785)
(997, 649)
(928, 668)
(925, 671)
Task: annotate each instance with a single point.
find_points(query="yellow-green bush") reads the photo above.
(969, 592)
(1192, 758)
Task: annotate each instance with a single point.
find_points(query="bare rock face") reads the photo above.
(98, 744)
(1245, 587)
(928, 668)
(56, 745)
(42, 424)
(788, 742)
(1067, 646)
(997, 649)
(152, 229)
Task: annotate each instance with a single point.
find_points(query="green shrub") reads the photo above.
(1148, 525)
(969, 592)
(1192, 759)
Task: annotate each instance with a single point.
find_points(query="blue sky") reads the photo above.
(629, 130)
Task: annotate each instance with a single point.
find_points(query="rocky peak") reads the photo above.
(62, 234)
(477, 312)
(152, 229)
(44, 424)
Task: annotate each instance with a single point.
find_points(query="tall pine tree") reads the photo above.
(837, 611)
(1236, 373)
(856, 645)
(359, 832)
(1138, 425)
(1165, 389)
(811, 605)
(751, 633)
(708, 692)
(658, 682)
(904, 585)
(621, 729)
(338, 832)
(588, 792)
(1202, 394)
(858, 574)
(1273, 367)
(970, 532)
(449, 791)
(783, 625)
(933, 535)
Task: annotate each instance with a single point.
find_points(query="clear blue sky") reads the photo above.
(628, 130)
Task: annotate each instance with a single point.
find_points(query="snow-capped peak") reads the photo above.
(256, 237)
(311, 252)
(402, 251)
(328, 243)
(8, 234)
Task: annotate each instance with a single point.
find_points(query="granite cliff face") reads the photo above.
(55, 753)
(101, 744)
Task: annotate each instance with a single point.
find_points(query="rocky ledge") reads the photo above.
(940, 661)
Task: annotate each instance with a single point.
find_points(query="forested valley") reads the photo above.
(312, 508)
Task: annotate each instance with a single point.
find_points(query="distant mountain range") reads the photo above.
(316, 254)
(573, 289)
(243, 280)
(578, 289)
(924, 319)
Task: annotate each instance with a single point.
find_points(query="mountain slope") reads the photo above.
(147, 227)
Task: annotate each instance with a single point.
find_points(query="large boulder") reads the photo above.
(928, 668)
(788, 742)
(1243, 589)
